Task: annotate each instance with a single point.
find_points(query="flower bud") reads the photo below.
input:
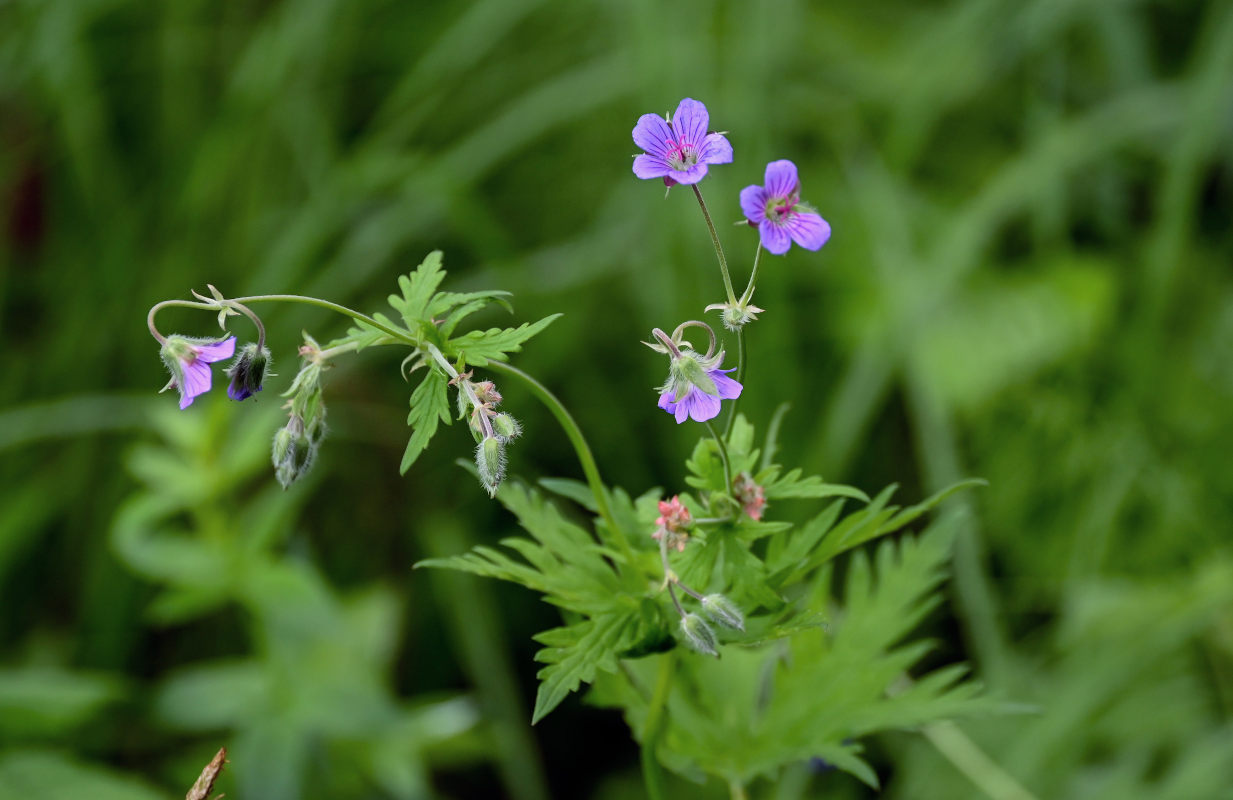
(699, 635)
(723, 611)
(506, 427)
(490, 462)
(294, 450)
(248, 372)
(284, 440)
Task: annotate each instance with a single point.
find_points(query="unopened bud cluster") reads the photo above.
(718, 609)
(296, 443)
(750, 495)
(671, 533)
(492, 429)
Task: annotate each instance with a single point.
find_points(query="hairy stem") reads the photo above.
(719, 248)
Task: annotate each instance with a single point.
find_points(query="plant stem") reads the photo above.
(747, 295)
(969, 759)
(464, 386)
(719, 249)
(652, 772)
(723, 456)
(585, 458)
(740, 378)
(277, 298)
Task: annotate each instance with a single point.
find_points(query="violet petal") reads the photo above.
(687, 176)
(197, 379)
(808, 229)
(774, 238)
(682, 408)
(716, 149)
(753, 203)
(705, 407)
(217, 351)
(649, 166)
(728, 388)
(691, 121)
(781, 178)
(652, 134)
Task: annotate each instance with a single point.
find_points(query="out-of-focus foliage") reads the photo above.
(1028, 281)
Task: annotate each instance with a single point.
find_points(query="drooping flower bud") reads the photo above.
(248, 372)
(699, 635)
(723, 611)
(490, 463)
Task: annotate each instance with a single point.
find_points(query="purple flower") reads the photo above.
(697, 403)
(781, 217)
(678, 151)
(189, 363)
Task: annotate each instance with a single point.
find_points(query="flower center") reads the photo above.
(779, 208)
(681, 154)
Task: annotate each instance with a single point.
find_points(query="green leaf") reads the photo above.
(461, 306)
(574, 654)
(793, 485)
(365, 335)
(417, 291)
(429, 404)
(478, 347)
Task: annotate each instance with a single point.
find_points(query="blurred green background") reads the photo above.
(1029, 281)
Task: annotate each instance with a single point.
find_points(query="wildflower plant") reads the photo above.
(711, 622)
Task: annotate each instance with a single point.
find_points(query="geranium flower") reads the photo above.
(696, 401)
(672, 522)
(780, 216)
(679, 150)
(189, 361)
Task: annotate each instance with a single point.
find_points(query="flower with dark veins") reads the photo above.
(780, 216)
(679, 150)
(189, 361)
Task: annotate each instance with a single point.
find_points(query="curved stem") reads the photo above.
(723, 456)
(585, 458)
(652, 773)
(256, 320)
(240, 302)
(719, 249)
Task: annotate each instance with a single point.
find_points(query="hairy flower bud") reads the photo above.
(294, 450)
(506, 427)
(723, 611)
(490, 462)
(248, 372)
(699, 635)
